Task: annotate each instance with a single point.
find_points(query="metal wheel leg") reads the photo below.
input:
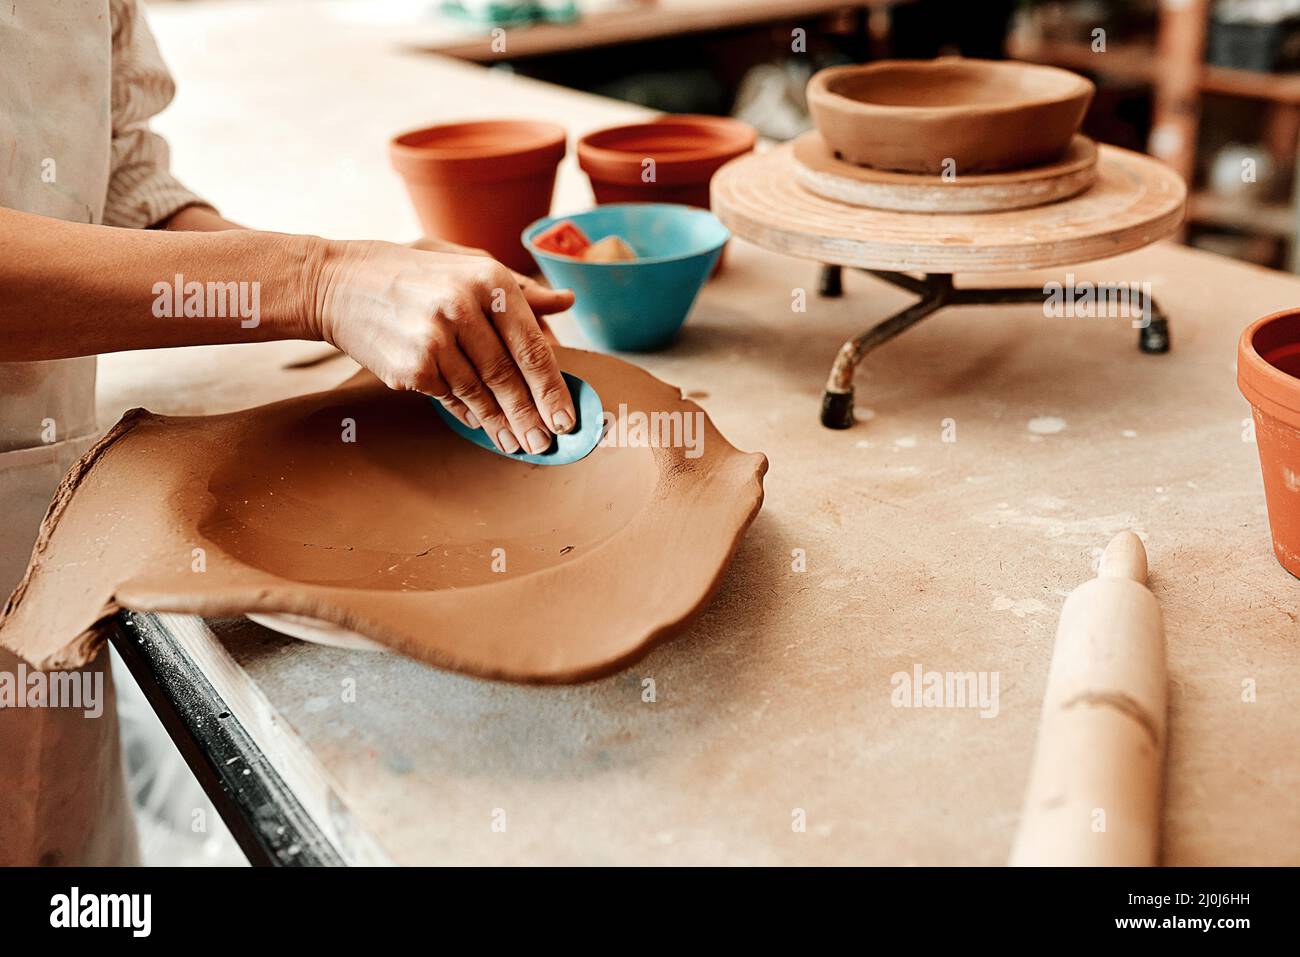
(837, 401)
(1154, 339)
(831, 283)
(837, 410)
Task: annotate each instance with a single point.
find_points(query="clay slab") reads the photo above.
(360, 508)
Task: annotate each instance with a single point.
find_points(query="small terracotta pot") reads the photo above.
(687, 150)
(480, 183)
(1268, 374)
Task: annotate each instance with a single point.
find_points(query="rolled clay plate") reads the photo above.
(914, 116)
(359, 508)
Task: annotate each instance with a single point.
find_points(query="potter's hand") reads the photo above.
(543, 299)
(459, 328)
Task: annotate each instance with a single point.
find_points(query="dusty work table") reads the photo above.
(954, 555)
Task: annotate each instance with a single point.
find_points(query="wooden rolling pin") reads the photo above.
(1095, 788)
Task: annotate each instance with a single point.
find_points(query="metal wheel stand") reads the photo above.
(936, 291)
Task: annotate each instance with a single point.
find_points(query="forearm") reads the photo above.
(198, 219)
(69, 289)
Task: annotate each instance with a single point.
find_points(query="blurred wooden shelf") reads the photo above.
(632, 23)
(1272, 218)
(1136, 61)
(1281, 88)
(1129, 61)
(1173, 65)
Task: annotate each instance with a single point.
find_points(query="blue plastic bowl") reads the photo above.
(636, 306)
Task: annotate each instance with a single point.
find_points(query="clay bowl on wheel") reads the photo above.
(915, 116)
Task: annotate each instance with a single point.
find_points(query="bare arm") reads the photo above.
(456, 327)
(203, 218)
(198, 218)
(70, 289)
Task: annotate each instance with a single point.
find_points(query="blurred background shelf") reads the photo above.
(1275, 219)
(1222, 94)
(1136, 61)
(628, 23)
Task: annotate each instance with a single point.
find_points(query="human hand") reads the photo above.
(461, 328)
(543, 299)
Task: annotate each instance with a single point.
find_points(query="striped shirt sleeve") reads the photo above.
(141, 190)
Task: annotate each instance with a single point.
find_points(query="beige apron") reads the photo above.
(61, 786)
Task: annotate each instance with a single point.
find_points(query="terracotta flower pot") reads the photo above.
(686, 149)
(480, 183)
(1268, 374)
(915, 115)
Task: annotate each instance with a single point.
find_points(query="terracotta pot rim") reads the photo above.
(736, 138)
(536, 145)
(1078, 87)
(1265, 386)
(540, 254)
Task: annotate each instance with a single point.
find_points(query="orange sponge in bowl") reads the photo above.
(563, 239)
